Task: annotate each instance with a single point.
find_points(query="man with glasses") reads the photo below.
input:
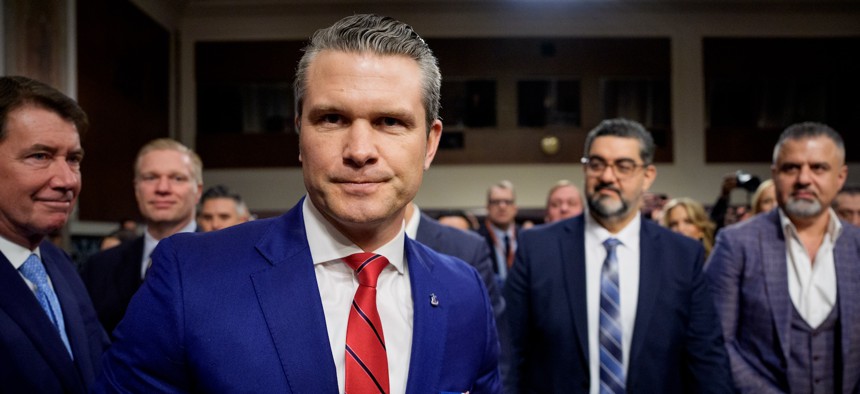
(607, 302)
(500, 227)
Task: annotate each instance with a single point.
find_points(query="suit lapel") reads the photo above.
(429, 323)
(650, 278)
(572, 246)
(22, 307)
(772, 245)
(289, 298)
(846, 258)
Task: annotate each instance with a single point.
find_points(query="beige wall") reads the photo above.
(464, 185)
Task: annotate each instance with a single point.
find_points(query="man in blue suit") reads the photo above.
(332, 296)
(786, 282)
(50, 338)
(607, 302)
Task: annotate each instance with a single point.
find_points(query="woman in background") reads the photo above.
(764, 198)
(687, 216)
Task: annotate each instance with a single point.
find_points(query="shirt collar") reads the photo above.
(834, 225)
(328, 244)
(412, 224)
(16, 254)
(627, 235)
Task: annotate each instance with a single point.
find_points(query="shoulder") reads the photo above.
(117, 254)
(442, 266)
(550, 232)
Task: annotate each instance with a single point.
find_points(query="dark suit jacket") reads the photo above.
(33, 358)
(485, 232)
(239, 310)
(466, 246)
(112, 277)
(749, 278)
(676, 347)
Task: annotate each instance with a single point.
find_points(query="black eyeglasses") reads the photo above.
(500, 201)
(623, 168)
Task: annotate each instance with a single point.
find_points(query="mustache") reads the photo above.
(608, 186)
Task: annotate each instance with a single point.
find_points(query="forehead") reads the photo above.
(164, 161)
(812, 149)
(845, 199)
(678, 212)
(334, 72)
(219, 204)
(612, 147)
(32, 124)
(498, 192)
(564, 192)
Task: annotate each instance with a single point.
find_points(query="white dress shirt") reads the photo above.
(811, 283)
(17, 255)
(413, 222)
(149, 244)
(337, 285)
(628, 287)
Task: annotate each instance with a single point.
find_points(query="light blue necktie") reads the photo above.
(611, 353)
(34, 271)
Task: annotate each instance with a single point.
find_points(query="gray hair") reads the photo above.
(504, 185)
(380, 35)
(799, 131)
(624, 128)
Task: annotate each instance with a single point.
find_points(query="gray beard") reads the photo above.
(803, 208)
(608, 210)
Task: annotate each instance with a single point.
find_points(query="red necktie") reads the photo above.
(366, 362)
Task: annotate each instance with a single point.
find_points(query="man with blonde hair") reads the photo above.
(168, 181)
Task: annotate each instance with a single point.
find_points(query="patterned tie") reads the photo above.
(34, 271)
(366, 361)
(611, 353)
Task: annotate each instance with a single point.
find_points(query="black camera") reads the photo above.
(747, 181)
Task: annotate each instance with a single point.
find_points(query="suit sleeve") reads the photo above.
(148, 354)
(724, 275)
(489, 380)
(517, 304)
(706, 353)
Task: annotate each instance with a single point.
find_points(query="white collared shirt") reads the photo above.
(413, 222)
(628, 286)
(149, 244)
(17, 255)
(812, 287)
(337, 285)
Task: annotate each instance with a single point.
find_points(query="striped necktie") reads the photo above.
(34, 271)
(611, 353)
(366, 360)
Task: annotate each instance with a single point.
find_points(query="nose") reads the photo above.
(162, 185)
(359, 147)
(608, 174)
(804, 176)
(65, 176)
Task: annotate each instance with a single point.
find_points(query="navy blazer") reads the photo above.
(33, 358)
(239, 310)
(748, 273)
(677, 346)
(465, 245)
(112, 277)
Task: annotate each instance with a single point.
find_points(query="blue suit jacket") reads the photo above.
(239, 310)
(676, 347)
(465, 245)
(749, 277)
(33, 358)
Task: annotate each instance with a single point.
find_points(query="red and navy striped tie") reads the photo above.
(366, 361)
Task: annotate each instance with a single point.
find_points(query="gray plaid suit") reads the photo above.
(748, 275)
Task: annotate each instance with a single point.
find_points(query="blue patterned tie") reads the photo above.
(34, 271)
(611, 353)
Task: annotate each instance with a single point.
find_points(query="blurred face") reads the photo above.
(501, 207)
(848, 207)
(614, 195)
(165, 188)
(364, 143)
(767, 201)
(808, 173)
(457, 222)
(679, 222)
(40, 174)
(218, 213)
(564, 202)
